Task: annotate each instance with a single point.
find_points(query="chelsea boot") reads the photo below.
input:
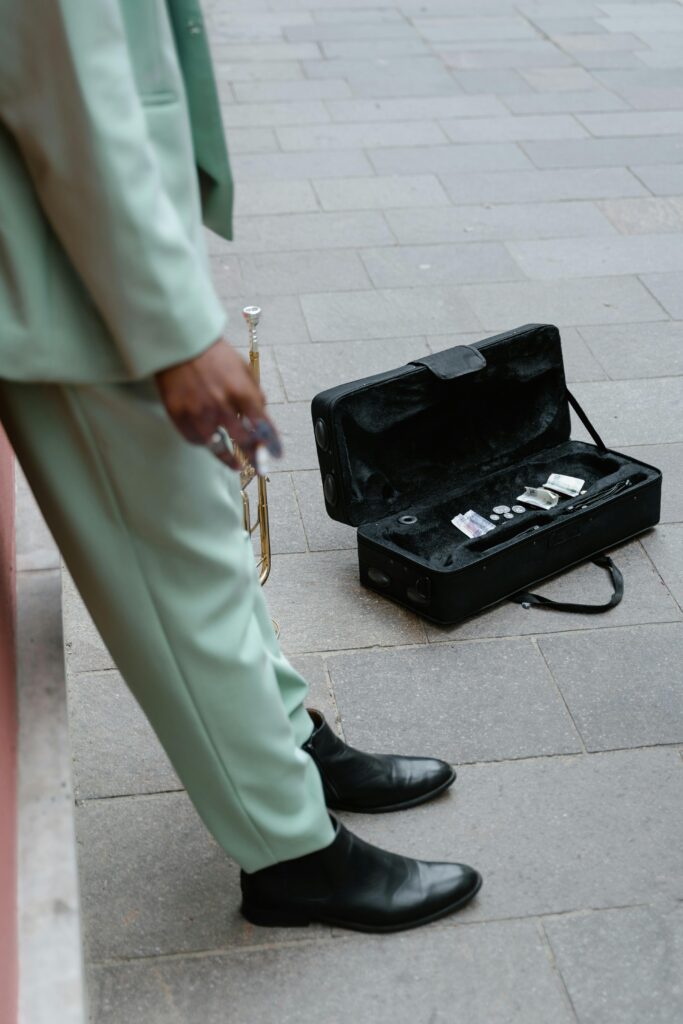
(356, 781)
(351, 884)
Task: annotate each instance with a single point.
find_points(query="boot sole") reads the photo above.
(403, 806)
(290, 919)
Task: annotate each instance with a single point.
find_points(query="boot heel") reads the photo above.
(274, 917)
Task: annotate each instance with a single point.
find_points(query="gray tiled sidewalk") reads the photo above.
(412, 174)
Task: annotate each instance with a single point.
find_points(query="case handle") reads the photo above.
(452, 362)
(538, 601)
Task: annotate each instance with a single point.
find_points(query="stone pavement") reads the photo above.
(411, 174)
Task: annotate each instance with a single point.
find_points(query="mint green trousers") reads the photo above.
(151, 530)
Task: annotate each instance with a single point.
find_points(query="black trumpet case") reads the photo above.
(403, 452)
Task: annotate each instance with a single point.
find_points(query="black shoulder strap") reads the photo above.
(538, 601)
(586, 422)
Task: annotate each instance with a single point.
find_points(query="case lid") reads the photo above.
(393, 440)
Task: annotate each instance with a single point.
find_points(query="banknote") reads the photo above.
(472, 524)
(569, 485)
(538, 497)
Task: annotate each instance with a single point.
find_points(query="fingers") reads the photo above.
(215, 390)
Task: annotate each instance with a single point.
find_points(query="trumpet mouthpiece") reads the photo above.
(252, 314)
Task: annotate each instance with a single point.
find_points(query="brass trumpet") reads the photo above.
(252, 315)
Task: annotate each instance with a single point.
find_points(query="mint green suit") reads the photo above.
(111, 150)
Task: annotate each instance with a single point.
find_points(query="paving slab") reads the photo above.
(564, 79)
(321, 606)
(448, 159)
(513, 129)
(289, 273)
(645, 600)
(478, 701)
(662, 180)
(322, 533)
(498, 222)
(267, 198)
(297, 89)
(622, 686)
(358, 136)
(634, 411)
(387, 77)
(599, 257)
(644, 216)
(622, 966)
(553, 834)
(35, 548)
(665, 547)
(501, 81)
(526, 53)
(605, 152)
(460, 29)
(539, 186)
(637, 350)
(115, 750)
(271, 115)
(382, 192)
(562, 102)
(653, 98)
(608, 300)
(295, 427)
(428, 265)
(407, 46)
(318, 164)
(415, 108)
(308, 369)
(404, 979)
(387, 313)
(668, 290)
(621, 125)
(165, 885)
(84, 650)
(228, 72)
(292, 231)
(668, 458)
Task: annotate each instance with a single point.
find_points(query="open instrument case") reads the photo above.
(469, 428)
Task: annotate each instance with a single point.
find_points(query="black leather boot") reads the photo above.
(355, 781)
(352, 884)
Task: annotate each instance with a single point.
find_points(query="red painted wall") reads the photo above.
(8, 747)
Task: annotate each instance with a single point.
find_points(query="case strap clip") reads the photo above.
(538, 601)
(453, 362)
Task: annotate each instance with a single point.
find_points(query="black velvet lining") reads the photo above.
(438, 544)
(411, 436)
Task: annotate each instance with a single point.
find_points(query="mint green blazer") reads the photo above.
(112, 156)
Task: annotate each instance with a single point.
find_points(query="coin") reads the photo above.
(508, 515)
(518, 509)
(494, 517)
(500, 510)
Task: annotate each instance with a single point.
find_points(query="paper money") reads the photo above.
(538, 497)
(472, 524)
(569, 485)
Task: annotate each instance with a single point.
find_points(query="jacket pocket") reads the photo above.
(151, 49)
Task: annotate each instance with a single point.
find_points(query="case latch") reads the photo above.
(453, 362)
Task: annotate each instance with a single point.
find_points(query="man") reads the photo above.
(112, 359)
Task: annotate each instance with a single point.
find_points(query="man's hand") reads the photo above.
(213, 390)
